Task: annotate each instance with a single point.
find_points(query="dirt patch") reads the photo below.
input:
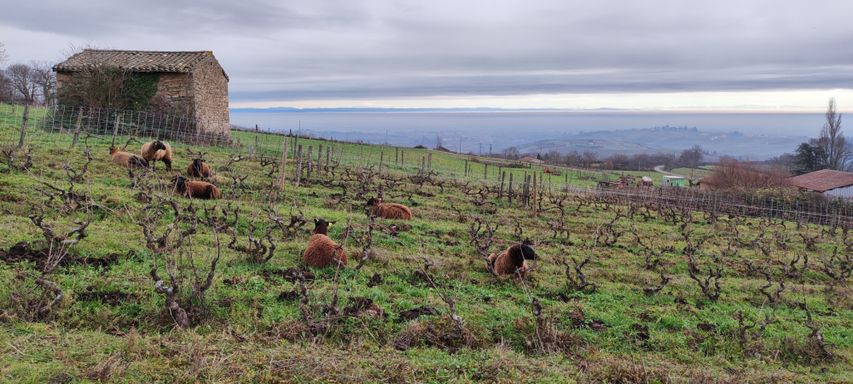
(288, 296)
(393, 229)
(640, 333)
(291, 274)
(440, 333)
(414, 313)
(24, 251)
(363, 306)
(110, 297)
(375, 280)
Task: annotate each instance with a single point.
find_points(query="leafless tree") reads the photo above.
(833, 141)
(45, 81)
(511, 153)
(6, 92)
(22, 78)
(3, 55)
(691, 157)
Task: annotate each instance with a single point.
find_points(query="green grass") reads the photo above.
(445, 164)
(250, 334)
(697, 173)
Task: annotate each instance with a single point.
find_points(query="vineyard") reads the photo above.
(107, 274)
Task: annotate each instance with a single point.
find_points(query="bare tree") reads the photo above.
(45, 81)
(6, 93)
(511, 153)
(691, 158)
(833, 141)
(22, 77)
(3, 55)
(588, 159)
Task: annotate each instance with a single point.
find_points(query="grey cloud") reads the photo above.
(333, 49)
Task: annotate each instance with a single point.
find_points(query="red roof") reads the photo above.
(823, 180)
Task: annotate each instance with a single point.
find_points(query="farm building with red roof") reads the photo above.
(826, 181)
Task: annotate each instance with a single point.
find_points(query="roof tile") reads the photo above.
(136, 61)
(823, 180)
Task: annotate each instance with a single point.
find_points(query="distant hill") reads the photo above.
(667, 139)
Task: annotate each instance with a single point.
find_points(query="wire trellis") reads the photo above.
(48, 124)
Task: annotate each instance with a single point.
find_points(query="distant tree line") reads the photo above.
(32, 83)
(691, 158)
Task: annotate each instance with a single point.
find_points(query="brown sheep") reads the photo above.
(127, 159)
(198, 168)
(157, 150)
(322, 251)
(388, 210)
(196, 189)
(513, 259)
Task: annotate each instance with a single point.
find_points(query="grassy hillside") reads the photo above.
(697, 173)
(423, 307)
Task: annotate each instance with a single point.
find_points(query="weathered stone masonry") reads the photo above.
(193, 82)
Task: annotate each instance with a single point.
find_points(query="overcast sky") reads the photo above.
(773, 54)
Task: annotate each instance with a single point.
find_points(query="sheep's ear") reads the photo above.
(316, 221)
(331, 223)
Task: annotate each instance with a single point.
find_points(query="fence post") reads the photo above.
(466, 167)
(509, 190)
(298, 164)
(115, 128)
(309, 165)
(485, 171)
(282, 173)
(318, 166)
(24, 121)
(381, 161)
(429, 161)
(328, 155)
(501, 190)
(533, 190)
(402, 158)
(77, 128)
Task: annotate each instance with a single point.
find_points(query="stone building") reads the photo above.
(192, 82)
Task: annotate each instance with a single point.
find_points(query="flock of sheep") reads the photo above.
(322, 251)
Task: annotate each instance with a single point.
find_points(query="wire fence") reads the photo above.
(801, 208)
(23, 124)
(74, 122)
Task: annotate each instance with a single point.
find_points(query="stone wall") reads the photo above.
(62, 78)
(202, 94)
(177, 89)
(210, 88)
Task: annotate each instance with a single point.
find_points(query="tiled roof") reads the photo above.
(823, 180)
(135, 61)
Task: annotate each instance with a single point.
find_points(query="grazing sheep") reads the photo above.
(389, 210)
(513, 259)
(198, 168)
(322, 251)
(157, 150)
(127, 159)
(196, 189)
